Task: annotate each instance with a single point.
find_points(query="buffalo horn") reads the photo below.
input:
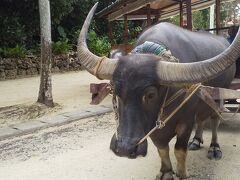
(190, 73)
(101, 67)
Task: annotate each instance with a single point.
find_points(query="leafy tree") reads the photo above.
(98, 45)
(174, 20)
(201, 19)
(229, 11)
(19, 21)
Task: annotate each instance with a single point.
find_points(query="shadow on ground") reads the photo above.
(10, 115)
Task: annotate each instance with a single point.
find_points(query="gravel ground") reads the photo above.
(80, 151)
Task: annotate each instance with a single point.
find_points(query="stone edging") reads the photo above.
(58, 120)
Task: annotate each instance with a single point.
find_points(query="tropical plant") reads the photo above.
(16, 52)
(61, 47)
(98, 45)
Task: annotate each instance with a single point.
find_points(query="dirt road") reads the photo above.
(70, 91)
(80, 151)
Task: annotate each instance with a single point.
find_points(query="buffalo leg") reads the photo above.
(198, 138)
(181, 156)
(214, 151)
(166, 166)
(180, 151)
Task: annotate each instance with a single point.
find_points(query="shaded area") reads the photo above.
(11, 115)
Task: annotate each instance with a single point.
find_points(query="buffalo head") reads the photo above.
(139, 94)
(137, 80)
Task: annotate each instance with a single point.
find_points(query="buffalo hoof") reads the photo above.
(182, 175)
(165, 176)
(194, 144)
(214, 152)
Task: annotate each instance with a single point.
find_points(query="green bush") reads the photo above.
(98, 45)
(61, 47)
(35, 50)
(16, 52)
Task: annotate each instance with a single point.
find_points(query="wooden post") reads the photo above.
(189, 14)
(218, 7)
(211, 18)
(157, 16)
(110, 32)
(148, 15)
(125, 30)
(181, 12)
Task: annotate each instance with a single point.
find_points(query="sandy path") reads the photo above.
(80, 151)
(70, 91)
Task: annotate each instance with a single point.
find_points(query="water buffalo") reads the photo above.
(140, 83)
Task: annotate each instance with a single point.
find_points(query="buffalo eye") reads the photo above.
(150, 94)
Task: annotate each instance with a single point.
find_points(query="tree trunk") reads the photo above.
(45, 90)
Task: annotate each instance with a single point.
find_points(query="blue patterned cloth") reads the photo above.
(157, 49)
(150, 47)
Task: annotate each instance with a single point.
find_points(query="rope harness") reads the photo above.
(116, 113)
(161, 122)
(96, 68)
